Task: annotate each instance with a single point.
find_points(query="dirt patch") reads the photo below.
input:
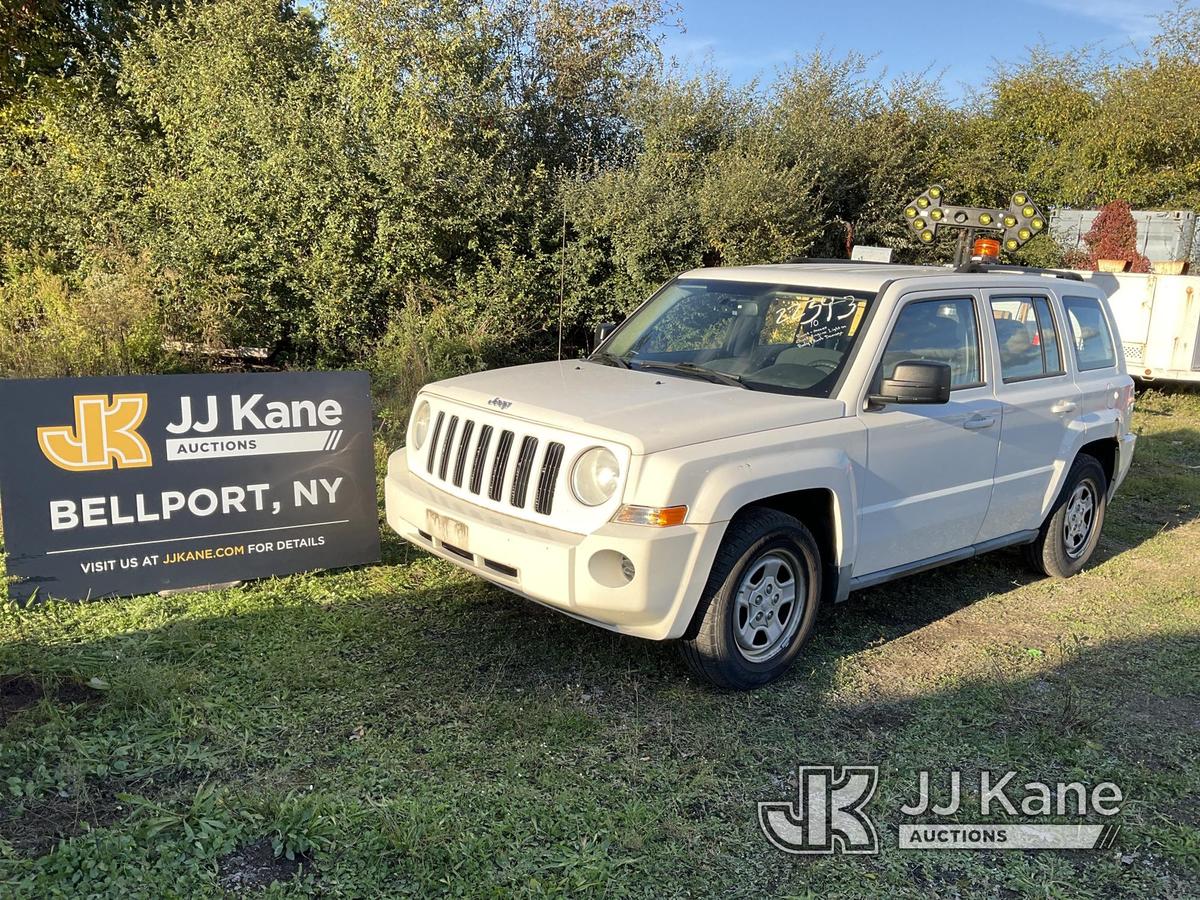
(34, 828)
(75, 691)
(1179, 714)
(255, 866)
(881, 718)
(20, 692)
(17, 692)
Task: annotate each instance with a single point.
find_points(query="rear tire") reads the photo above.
(760, 602)
(1069, 536)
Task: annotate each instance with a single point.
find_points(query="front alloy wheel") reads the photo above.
(767, 613)
(760, 602)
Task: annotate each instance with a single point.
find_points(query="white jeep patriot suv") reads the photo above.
(752, 441)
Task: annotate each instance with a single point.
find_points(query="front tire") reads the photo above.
(759, 604)
(1069, 536)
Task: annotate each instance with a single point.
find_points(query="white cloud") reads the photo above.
(693, 50)
(1136, 19)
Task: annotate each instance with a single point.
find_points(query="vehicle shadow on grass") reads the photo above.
(1162, 491)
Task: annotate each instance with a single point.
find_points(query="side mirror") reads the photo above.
(603, 330)
(915, 381)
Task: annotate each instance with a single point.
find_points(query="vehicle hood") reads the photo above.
(646, 411)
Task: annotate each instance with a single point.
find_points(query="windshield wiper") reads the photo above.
(610, 359)
(687, 368)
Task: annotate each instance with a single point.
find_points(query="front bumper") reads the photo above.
(579, 575)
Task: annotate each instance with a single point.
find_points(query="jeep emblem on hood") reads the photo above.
(499, 403)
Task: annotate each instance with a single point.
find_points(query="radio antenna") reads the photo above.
(562, 277)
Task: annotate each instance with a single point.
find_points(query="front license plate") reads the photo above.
(446, 529)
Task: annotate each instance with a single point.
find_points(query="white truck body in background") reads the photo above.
(1158, 317)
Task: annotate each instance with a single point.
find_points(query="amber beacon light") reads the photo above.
(986, 250)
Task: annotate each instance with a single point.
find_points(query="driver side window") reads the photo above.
(944, 330)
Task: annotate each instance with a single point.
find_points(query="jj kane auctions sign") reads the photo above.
(130, 485)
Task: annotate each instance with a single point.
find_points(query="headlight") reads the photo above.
(594, 476)
(419, 430)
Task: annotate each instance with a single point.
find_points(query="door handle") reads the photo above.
(1062, 407)
(977, 422)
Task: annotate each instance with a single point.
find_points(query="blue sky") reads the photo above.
(752, 38)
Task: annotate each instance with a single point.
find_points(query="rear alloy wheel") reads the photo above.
(760, 602)
(1080, 519)
(1069, 536)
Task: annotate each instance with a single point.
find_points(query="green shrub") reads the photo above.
(423, 342)
(107, 323)
(277, 175)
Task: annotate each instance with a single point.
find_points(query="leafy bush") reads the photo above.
(50, 325)
(423, 342)
(251, 172)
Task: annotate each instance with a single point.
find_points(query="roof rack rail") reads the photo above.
(827, 260)
(1018, 270)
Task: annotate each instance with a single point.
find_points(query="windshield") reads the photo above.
(762, 336)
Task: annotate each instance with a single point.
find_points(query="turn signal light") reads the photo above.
(654, 516)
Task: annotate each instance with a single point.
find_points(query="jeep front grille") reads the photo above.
(544, 502)
(481, 449)
(536, 463)
(460, 464)
(500, 464)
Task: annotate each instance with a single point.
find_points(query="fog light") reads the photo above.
(611, 569)
(655, 516)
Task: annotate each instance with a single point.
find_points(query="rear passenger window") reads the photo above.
(1027, 338)
(940, 330)
(1089, 333)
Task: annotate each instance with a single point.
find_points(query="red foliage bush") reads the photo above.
(1114, 236)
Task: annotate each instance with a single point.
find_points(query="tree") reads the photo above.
(40, 38)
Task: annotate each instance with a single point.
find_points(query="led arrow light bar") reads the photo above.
(1018, 224)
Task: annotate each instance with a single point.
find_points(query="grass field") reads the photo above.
(409, 730)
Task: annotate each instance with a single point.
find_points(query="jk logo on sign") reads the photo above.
(105, 434)
(828, 813)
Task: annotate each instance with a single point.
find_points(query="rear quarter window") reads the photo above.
(1089, 333)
